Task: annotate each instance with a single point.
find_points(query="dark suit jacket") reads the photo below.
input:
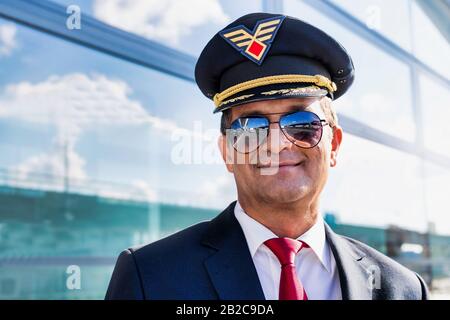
(211, 260)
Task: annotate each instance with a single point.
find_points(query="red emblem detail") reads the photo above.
(255, 48)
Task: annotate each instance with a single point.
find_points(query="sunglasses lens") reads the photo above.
(247, 134)
(303, 128)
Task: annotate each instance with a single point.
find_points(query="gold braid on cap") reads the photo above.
(318, 80)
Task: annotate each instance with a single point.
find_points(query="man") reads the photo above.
(274, 78)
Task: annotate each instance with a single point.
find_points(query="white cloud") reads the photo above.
(7, 39)
(72, 103)
(75, 101)
(137, 190)
(217, 191)
(143, 190)
(47, 170)
(168, 20)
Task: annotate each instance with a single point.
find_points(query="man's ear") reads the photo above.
(335, 144)
(226, 156)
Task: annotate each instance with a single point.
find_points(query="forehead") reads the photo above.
(276, 106)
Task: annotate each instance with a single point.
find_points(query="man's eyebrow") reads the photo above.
(251, 113)
(293, 108)
(299, 107)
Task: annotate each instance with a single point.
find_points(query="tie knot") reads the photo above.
(285, 249)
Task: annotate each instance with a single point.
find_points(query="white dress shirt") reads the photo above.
(315, 266)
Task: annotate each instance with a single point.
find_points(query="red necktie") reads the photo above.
(285, 249)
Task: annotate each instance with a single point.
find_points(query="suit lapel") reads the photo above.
(231, 267)
(352, 267)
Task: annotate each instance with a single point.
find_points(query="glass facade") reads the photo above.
(392, 19)
(92, 159)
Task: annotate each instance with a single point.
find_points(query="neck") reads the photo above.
(289, 220)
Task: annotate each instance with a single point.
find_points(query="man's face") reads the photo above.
(287, 173)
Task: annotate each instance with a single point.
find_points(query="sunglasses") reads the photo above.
(302, 128)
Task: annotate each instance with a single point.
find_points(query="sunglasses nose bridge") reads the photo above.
(277, 140)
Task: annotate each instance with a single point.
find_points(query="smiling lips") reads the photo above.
(287, 163)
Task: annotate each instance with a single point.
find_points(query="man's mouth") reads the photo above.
(287, 163)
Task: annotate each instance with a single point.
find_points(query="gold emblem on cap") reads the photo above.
(253, 44)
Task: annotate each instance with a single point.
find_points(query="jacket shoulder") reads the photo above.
(395, 280)
(154, 267)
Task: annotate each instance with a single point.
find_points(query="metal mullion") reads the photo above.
(51, 18)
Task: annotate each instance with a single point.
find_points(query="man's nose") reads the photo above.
(277, 141)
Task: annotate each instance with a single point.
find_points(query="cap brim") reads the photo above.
(272, 92)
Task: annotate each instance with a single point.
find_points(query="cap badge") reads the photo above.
(253, 44)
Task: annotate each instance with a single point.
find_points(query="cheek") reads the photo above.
(244, 161)
(244, 173)
(317, 161)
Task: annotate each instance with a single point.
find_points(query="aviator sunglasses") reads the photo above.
(302, 128)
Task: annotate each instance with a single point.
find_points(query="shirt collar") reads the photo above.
(256, 234)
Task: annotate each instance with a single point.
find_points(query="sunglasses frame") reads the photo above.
(323, 123)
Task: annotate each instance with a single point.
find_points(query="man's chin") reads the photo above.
(278, 194)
